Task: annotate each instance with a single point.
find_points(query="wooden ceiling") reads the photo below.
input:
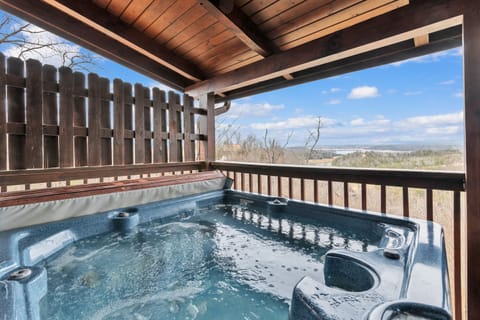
(236, 48)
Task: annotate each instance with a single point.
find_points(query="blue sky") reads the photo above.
(416, 101)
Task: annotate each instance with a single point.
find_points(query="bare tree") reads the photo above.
(273, 149)
(312, 140)
(25, 40)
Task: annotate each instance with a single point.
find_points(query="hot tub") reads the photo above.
(225, 255)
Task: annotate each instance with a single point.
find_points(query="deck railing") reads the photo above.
(432, 195)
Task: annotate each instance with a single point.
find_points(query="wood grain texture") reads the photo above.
(3, 116)
(16, 114)
(94, 116)
(66, 117)
(34, 130)
(79, 120)
(471, 54)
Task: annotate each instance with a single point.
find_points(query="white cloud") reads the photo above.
(443, 130)
(293, 123)
(331, 90)
(429, 58)
(447, 82)
(247, 109)
(333, 101)
(434, 120)
(357, 122)
(413, 93)
(459, 94)
(363, 92)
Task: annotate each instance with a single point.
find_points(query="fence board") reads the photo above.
(139, 124)
(128, 109)
(50, 117)
(79, 119)
(189, 128)
(160, 126)
(66, 117)
(94, 114)
(174, 118)
(16, 113)
(105, 122)
(118, 122)
(34, 130)
(147, 116)
(3, 118)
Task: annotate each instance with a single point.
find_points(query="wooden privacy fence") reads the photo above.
(53, 118)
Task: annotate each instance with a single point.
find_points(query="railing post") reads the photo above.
(206, 126)
(471, 72)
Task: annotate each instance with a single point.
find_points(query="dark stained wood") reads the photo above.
(34, 130)
(50, 117)
(118, 122)
(139, 124)
(60, 23)
(279, 186)
(438, 180)
(34, 196)
(406, 204)
(207, 126)
(3, 116)
(457, 257)
(330, 192)
(471, 76)
(79, 120)
(345, 194)
(105, 122)
(188, 128)
(128, 109)
(16, 113)
(429, 201)
(147, 117)
(173, 126)
(94, 116)
(383, 198)
(259, 183)
(364, 196)
(302, 189)
(240, 25)
(420, 14)
(160, 126)
(315, 191)
(66, 117)
(447, 39)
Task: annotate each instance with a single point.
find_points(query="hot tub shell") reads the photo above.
(408, 273)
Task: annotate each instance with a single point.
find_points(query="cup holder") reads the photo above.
(346, 273)
(399, 310)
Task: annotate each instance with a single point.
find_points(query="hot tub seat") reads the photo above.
(363, 285)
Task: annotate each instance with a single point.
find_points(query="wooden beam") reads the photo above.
(241, 26)
(88, 13)
(421, 40)
(442, 40)
(418, 18)
(471, 72)
(58, 22)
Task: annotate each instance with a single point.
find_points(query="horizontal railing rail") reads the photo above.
(308, 182)
(26, 178)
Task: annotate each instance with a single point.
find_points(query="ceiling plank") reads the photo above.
(104, 22)
(417, 18)
(51, 19)
(242, 27)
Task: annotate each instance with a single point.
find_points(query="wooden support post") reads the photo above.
(471, 71)
(206, 125)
